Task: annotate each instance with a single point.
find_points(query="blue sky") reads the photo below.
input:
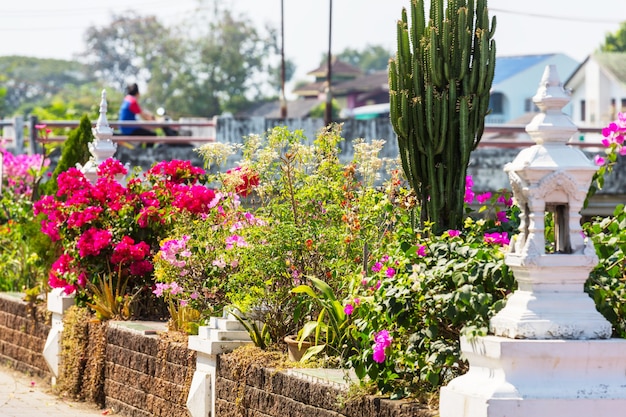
(45, 28)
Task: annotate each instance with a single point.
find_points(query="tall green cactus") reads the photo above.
(439, 86)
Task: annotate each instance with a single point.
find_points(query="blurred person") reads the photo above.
(130, 109)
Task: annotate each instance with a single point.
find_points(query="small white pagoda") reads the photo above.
(549, 353)
(102, 147)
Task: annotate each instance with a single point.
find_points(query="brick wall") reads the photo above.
(23, 334)
(145, 375)
(271, 393)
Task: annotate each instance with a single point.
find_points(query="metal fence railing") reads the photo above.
(23, 136)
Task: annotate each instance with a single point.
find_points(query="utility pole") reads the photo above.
(328, 111)
(283, 100)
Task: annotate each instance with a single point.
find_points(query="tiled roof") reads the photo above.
(614, 63)
(508, 66)
(338, 68)
(378, 80)
(312, 89)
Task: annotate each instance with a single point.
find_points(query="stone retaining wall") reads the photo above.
(261, 392)
(23, 335)
(146, 375)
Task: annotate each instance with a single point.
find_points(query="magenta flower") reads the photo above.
(501, 217)
(481, 198)
(159, 287)
(92, 241)
(235, 240)
(599, 161)
(390, 272)
(382, 340)
(497, 238)
(348, 309)
(505, 199)
(377, 267)
(421, 251)
(451, 233)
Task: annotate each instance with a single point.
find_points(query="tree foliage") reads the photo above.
(219, 63)
(370, 59)
(615, 42)
(29, 82)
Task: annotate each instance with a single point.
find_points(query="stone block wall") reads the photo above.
(23, 335)
(262, 392)
(145, 375)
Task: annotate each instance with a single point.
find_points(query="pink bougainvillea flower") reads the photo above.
(505, 199)
(377, 267)
(348, 309)
(235, 240)
(501, 217)
(482, 198)
(110, 168)
(606, 142)
(382, 340)
(92, 241)
(599, 161)
(159, 287)
(497, 238)
(421, 251)
(390, 272)
(175, 288)
(454, 233)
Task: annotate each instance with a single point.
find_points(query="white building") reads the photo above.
(511, 97)
(598, 88)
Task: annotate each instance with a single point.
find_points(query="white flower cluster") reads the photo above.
(367, 157)
(217, 152)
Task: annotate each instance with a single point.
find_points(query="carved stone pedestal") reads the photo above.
(549, 355)
(539, 378)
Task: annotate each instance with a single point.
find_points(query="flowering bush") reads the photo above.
(23, 255)
(108, 232)
(606, 283)
(289, 212)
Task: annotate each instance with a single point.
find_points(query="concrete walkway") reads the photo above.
(23, 396)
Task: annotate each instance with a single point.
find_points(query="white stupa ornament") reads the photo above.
(102, 147)
(550, 352)
(551, 177)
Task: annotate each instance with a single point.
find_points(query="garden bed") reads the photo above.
(147, 374)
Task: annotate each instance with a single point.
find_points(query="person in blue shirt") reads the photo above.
(130, 109)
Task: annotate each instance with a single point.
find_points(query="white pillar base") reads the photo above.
(523, 378)
(223, 334)
(58, 302)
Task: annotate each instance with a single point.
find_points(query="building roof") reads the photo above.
(337, 67)
(311, 89)
(614, 63)
(378, 80)
(508, 66)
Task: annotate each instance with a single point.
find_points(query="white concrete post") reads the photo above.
(102, 147)
(58, 303)
(549, 353)
(222, 335)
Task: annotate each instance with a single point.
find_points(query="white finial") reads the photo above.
(551, 125)
(102, 147)
(102, 129)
